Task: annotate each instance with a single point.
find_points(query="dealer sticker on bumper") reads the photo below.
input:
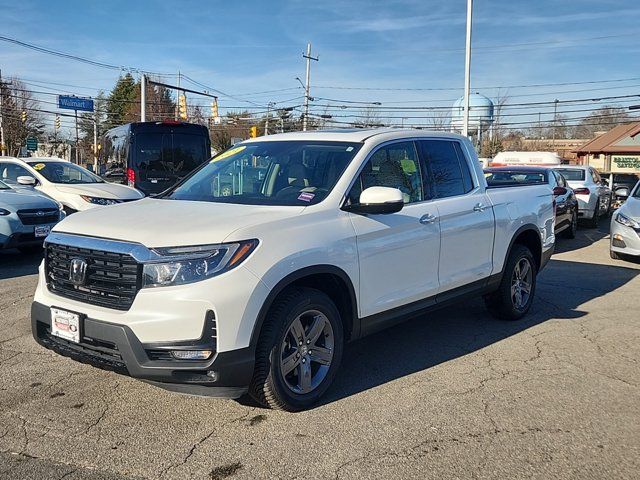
(65, 325)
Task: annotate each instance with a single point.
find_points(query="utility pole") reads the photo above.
(467, 70)
(177, 111)
(2, 147)
(95, 146)
(555, 124)
(307, 86)
(77, 136)
(143, 98)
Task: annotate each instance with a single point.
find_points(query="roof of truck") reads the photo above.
(354, 135)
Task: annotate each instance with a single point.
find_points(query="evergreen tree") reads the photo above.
(120, 100)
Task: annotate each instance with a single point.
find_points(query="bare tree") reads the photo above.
(20, 115)
(368, 117)
(440, 120)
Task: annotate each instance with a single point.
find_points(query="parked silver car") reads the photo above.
(26, 218)
(625, 227)
(592, 192)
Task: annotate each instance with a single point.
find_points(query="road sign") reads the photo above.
(32, 144)
(75, 103)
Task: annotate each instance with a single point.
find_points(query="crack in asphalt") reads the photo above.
(194, 447)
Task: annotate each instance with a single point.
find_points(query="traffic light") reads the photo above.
(57, 122)
(182, 107)
(253, 132)
(23, 116)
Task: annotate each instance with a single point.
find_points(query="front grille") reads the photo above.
(39, 216)
(112, 279)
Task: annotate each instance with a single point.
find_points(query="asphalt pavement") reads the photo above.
(455, 394)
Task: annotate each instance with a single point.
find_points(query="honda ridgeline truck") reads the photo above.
(316, 239)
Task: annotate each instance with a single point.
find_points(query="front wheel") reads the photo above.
(299, 350)
(514, 297)
(595, 220)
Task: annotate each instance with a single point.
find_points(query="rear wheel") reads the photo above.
(299, 350)
(573, 228)
(514, 297)
(595, 220)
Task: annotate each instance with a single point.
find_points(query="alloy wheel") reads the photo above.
(307, 351)
(521, 282)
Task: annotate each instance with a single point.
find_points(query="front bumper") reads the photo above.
(14, 234)
(624, 239)
(116, 348)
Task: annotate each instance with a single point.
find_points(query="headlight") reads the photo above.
(626, 221)
(192, 264)
(100, 201)
(4, 212)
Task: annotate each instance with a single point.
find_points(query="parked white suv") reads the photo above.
(253, 272)
(75, 187)
(592, 192)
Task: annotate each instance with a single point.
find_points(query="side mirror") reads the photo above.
(621, 192)
(559, 191)
(26, 180)
(378, 200)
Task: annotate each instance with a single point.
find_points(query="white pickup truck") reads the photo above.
(254, 271)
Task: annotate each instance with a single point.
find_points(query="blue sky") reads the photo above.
(250, 46)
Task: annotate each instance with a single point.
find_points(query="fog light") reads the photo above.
(191, 354)
(618, 241)
(213, 375)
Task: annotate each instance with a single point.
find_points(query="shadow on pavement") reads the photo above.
(450, 333)
(15, 264)
(585, 237)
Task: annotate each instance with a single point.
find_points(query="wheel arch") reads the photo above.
(529, 236)
(330, 280)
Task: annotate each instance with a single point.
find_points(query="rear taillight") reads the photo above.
(581, 191)
(131, 177)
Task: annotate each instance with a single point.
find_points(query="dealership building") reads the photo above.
(616, 151)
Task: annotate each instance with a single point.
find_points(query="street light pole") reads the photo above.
(467, 70)
(307, 86)
(2, 147)
(143, 98)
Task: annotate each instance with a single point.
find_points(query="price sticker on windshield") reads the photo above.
(39, 166)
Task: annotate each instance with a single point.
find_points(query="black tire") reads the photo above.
(573, 228)
(614, 255)
(30, 249)
(269, 386)
(501, 303)
(595, 220)
(68, 210)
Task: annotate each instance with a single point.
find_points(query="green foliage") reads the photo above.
(120, 100)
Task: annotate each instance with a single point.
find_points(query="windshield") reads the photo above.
(64, 172)
(514, 177)
(572, 174)
(269, 173)
(4, 186)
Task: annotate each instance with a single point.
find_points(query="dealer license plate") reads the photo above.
(42, 231)
(65, 325)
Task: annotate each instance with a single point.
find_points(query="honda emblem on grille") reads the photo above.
(78, 271)
(40, 213)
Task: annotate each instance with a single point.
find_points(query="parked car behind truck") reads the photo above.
(26, 218)
(593, 194)
(564, 200)
(347, 233)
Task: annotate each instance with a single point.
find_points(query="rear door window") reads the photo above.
(449, 172)
(167, 155)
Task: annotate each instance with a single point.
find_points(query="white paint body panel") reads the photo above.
(391, 260)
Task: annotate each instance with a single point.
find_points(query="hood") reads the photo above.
(101, 190)
(631, 208)
(167, 223)
(25, 198)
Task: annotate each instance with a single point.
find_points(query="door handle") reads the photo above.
(479, 207)
(428, 219)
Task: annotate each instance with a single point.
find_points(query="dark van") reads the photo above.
(153, 156)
